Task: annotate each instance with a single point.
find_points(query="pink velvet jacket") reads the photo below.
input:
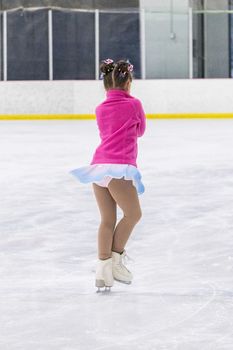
(121, 120)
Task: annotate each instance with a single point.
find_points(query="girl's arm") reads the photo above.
(141, 125)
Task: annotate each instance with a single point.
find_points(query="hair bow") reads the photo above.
(108, 61)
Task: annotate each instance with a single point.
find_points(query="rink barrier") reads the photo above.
(92, 116)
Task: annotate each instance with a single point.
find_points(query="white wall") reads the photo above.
(167, 38)
(81, 97)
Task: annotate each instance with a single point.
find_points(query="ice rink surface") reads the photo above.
(182, 294)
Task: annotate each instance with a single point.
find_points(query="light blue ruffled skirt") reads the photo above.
(101, 174)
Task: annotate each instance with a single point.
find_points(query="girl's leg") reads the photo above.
(107, 208)
(125, 195)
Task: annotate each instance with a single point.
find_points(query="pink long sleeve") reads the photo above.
(141, 126)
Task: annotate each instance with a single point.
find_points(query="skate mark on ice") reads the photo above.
(218, 340)
(131, 338)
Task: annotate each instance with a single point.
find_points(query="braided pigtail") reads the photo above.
(122, 73)
(106, 69)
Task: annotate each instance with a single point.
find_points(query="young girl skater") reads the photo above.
(113, 171)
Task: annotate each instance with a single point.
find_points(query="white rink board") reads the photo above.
(81, 97)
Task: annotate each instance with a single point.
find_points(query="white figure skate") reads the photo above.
(119, 270)
(104, 276)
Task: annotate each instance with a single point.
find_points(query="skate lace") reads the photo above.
(126, 258)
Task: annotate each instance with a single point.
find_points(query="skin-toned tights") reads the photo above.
(112, 237)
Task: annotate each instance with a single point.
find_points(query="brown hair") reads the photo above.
(122, 73)
(106, 68)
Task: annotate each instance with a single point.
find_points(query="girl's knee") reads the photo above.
(138, 215)
(135, 216)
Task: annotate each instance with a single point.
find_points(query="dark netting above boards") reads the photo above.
(75, 4)
(119, 38)
(63, 44)
(27, 45)
(73, 45)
